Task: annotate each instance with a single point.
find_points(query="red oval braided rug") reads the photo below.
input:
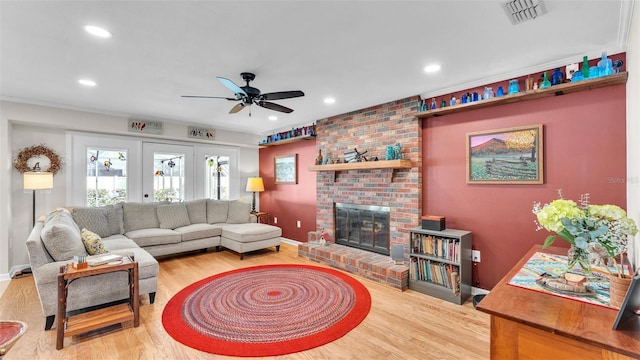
(266, 310)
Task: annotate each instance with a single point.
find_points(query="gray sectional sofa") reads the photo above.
(144, 230)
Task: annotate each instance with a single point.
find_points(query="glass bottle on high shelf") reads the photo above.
(585, 67)
(545, 81)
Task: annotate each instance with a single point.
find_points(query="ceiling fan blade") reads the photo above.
(273, 106)
(209, 97)
(233, 87)
(237, 108)
(282, 95)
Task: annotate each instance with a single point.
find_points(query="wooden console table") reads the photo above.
(96, 319)
(527, 324)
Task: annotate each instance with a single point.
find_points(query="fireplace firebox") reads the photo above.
(363, 226)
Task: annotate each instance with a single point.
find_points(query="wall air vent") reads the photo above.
(522, 10)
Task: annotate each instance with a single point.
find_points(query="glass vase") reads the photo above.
(580, 257)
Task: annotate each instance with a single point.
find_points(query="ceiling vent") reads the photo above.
(523, 10)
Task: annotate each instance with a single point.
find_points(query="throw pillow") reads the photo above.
(239, 213)
(217, 211)
(92, 242)
(197, 210)
(173, 216)
(115, 219)
(94, 219)
(61, 236)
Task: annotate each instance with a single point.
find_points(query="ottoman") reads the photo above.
(243, 238)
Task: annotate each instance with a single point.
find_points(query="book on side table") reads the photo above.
(95, 260)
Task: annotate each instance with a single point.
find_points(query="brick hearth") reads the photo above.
(369, 265)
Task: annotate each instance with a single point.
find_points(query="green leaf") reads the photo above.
(548, 241)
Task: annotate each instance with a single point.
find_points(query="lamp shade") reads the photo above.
(255, 184)
(37, 180)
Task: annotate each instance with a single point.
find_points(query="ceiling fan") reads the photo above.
(248, 95)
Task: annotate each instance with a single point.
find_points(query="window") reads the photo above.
(169, 178)
(106, 176)
(217, 181)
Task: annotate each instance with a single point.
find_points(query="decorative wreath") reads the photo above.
(37, 150)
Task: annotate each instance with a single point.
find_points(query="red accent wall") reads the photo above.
(290, 202)
(584, 152)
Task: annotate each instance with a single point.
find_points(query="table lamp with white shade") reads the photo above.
(254, 184)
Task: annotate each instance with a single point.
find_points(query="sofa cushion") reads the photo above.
(157, 236)
(61, 236)
(250, 232)
(147, 265)
(140, 216)
(199, 231)
(197, 210)
(173, 215)
(217, 211)
(239, 213)
(117, 242)
(93, 219)
(92, 242)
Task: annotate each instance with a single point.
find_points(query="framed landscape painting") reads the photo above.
(286, 169)
(506, 156)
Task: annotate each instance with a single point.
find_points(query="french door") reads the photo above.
(167, 172)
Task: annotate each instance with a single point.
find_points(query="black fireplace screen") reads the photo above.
(363, 226)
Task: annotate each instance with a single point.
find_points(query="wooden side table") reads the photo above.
(263, 217)
(91, 320)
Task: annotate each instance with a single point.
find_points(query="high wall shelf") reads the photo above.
(363, 165)
(289, 140)
(441, 264)
(556, 90)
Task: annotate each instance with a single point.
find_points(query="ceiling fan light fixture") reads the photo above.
(97, 31)
(519, 11)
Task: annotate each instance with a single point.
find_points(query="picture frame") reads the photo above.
(286, 169)
(627, 316)
(506, 156)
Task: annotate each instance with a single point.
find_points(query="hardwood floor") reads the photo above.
(401, 325)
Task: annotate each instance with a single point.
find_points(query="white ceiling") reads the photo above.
(362, 53)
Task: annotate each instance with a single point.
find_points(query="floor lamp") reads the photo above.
(37, 180)
(255, 184)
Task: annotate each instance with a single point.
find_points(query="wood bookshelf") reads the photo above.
(556, 90)
(289, 140)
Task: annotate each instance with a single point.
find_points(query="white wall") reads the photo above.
(633, 125)
(23, 125)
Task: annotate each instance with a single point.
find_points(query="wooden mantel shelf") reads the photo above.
(556, 90)
(365, 165)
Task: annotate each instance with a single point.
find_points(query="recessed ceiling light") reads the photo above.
(273, 118)
(87, 82)
(97, 31)
(431, 68)
(329, 100)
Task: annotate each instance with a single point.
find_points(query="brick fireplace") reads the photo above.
(372, 130)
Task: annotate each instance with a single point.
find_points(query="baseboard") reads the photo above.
(290, 242)
(5, 277)
(18, 270)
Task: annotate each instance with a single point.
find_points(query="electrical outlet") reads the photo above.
(475, 255)
(298, 224)
(275, 220)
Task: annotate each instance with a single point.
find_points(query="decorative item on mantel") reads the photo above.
(598, 234)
